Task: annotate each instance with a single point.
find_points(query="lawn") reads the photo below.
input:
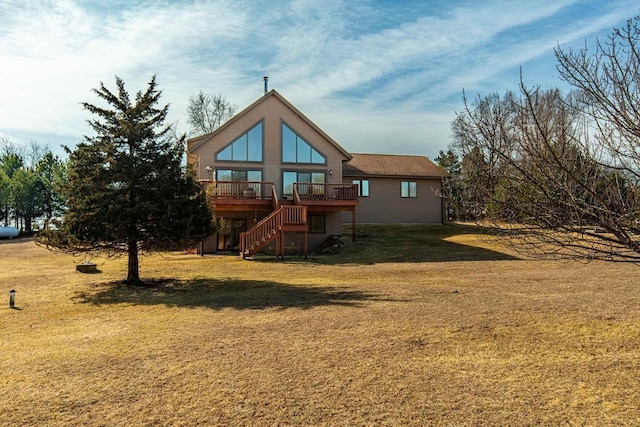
(409, 325)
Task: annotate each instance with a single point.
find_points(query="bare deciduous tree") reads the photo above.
(207, 112)
(562, 173)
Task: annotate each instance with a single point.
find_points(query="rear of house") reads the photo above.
(270, 164)
(277, 182)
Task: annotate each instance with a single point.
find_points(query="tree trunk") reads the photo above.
(133, 273)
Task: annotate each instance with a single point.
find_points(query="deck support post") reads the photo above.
(353, 225)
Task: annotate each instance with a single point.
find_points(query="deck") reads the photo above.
(262, 196)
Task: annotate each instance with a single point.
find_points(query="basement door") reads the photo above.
(231, 240)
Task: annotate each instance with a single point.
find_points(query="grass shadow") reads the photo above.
(410, 243)
(217, 294)
(96, 271)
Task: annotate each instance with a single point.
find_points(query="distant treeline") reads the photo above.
(29, 181)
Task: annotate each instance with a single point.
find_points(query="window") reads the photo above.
(246, 148)
(363, 187)
(288, 178)
(297, 150)
(316, 223)
(238, 175)
(408, 189)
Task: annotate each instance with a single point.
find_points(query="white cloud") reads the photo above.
(59, 51)
(370, 76)
(345, 63)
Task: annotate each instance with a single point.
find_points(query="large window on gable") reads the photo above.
(246, 148)
(297, 150)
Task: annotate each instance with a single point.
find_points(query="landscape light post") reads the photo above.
(12, 298)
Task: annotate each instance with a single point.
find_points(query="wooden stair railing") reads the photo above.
(260, 234)
(270, 228)
(274, 198)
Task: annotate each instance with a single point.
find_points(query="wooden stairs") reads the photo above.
(273, 227)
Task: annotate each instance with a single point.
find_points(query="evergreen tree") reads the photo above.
(26, 190)
(10, 163)
(127, 190)
(51, 171)
(452, 187)
(5, 196)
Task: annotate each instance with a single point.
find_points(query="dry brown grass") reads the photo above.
(451, 330)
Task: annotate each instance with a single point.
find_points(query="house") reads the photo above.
(396, 188)
(277, 182)
(274, 178)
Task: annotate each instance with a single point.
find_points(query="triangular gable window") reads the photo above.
(246, 148)
(297, 150)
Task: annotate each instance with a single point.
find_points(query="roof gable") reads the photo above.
(392, 165)
(196, 142)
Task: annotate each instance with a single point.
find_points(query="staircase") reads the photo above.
(273, 227)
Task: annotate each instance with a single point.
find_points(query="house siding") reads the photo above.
(385, 204)
(333, 227)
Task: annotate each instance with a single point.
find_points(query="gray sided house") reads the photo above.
(396, 188)
(278, 183)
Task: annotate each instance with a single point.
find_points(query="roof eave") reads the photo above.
(203, 139)
(379, 175)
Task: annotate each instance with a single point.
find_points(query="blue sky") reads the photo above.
(377, 76)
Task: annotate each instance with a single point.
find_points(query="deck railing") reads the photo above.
(241, 190)
(294, 215)
(303, 191)
(323, 191)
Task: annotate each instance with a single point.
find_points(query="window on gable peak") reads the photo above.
(246, 148)
(296, 150)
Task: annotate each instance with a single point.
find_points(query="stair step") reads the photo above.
(259, 236)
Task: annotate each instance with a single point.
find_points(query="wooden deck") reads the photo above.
(285, 214)
(262, 196)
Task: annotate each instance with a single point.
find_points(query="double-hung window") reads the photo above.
(316, 223)
(363, 187)
(408, 189)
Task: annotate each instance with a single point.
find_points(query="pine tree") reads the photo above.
(51, 171)
(127, 191)
(27, 197)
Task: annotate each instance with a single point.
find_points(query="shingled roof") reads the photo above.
(392, 165)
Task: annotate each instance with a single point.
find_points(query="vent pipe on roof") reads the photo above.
(266, 83)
